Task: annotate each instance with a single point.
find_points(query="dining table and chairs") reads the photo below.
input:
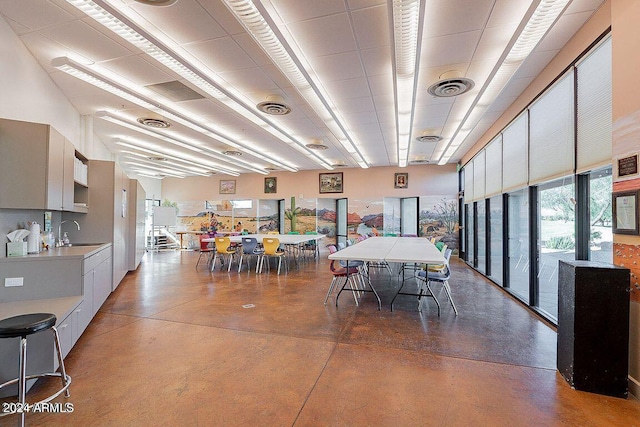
(415, 251)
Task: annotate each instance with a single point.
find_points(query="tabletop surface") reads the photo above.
(392, 249)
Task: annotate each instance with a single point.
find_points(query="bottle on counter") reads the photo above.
(65, 239)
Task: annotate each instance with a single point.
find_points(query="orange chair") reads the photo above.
(223, 247)
(205, 249)
(271, 249)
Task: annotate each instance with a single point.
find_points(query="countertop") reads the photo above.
(69, 252)
(61, 307)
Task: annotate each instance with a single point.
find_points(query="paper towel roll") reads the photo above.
(33, 240)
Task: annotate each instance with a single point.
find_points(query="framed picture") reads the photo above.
(401, 180)
(625, 212)
(331, 182)
(270, 185)
(228, 186)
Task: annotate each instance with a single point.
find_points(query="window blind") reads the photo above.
(478, 176)
(493, 167)
(551, 132)
(515, 158)
(594, 114)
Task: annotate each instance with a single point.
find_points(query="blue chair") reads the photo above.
(250, 248)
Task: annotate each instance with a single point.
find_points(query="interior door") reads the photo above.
(341, 220)
(281, 209)
(409, 216)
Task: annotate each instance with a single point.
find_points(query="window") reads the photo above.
(518, 241)
(601, 236)
(481, 227)
(495, 234)
(470, 234)
(556, 238)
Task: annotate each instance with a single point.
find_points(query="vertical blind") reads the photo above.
(493, 167)
(594, 113)
(551, 132)
(478, 176)
(515, 158)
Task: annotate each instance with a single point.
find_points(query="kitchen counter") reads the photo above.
(80, 251)
(61, 307)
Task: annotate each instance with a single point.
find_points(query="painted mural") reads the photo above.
(437, 218)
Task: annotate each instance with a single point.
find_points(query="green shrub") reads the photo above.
(561, 242)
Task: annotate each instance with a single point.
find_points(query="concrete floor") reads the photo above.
(173, 346)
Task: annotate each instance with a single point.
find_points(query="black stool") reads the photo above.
(21, 326)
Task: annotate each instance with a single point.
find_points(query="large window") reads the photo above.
(518, 209)
(470, 234)
(496, 242)
(556, 238)
(481, 227)
(601, 236)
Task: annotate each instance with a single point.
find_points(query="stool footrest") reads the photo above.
(64, 389)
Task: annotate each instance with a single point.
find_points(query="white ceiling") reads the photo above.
(345, 45)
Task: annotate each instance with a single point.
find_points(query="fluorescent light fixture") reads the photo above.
(407, 33)
(99, 80)
(107, 15)
(542, 19)
(257, 23)
(121, 120)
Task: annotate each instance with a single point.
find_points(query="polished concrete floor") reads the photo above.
(173, 346)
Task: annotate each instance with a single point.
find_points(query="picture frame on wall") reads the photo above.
(227, 186)
(625, 213)
(401, 180)
(270, 185)
(331, 183)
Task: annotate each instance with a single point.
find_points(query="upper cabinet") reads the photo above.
(37, 168)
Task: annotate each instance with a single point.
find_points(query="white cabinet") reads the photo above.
(97, 280)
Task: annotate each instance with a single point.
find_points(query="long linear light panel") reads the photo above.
(407, 21)
(200, 150)
(112, 19)
(257, 23)
(95, 78)
(542, 19)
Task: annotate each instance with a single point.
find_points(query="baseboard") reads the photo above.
(634, 387)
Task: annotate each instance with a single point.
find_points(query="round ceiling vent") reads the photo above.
(157, 2)
(271, 168)
(158, 159)
(154, 123)
(316, 146)
(429, 138)
(232, 153)
(339, 165)
(274, 105)
(451, 87)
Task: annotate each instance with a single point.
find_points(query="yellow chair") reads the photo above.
(273, 232)
(223, 247)
(271, 245)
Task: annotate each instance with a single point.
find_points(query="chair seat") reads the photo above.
(26, 324)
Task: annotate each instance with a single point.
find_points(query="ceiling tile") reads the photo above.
(324, 36)
(221, 55)
(372, 27)
(301, 10)
(341, 66)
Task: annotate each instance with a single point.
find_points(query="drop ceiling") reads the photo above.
(344, 47)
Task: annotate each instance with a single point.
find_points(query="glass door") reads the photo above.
(281, 209)
(409, 216)
(341, 221)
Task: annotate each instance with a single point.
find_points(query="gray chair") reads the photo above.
(440, 274)
(250, 249)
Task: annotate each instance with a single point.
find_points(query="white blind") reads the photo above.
(594, 109)
(493, 167)
(515, 157)
(478, 176)
(551, 132)
(468, 182)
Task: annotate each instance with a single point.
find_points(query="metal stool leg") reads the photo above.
(22, 381)
(63, 371)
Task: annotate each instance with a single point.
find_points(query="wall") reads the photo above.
(358, 184)
(626, 134)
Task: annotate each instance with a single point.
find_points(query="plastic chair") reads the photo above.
(271, 250)
(312, 245)
(342, 273)
(205, 249)
(273, 232)
(442, 276)
(250, 248)
(223, 247)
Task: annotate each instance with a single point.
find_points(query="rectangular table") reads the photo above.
(392, 249)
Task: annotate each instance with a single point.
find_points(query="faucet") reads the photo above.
(60, 230)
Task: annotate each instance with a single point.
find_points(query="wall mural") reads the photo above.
(438, 217)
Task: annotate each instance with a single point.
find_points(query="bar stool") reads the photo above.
(22, 326)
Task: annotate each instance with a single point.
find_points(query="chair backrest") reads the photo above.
(310, 232)
(222, 244)
(332, 249)
(293, 232)
(273, 232)
(204, 246)
(270, 245)
(341, 246)
(249, 244)
(439, 245)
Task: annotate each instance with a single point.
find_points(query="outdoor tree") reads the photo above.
(447, 213)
